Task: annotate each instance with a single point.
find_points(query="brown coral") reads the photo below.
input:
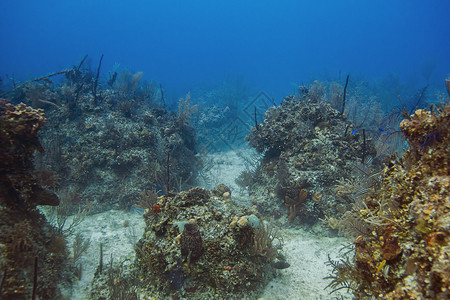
(198, 256)
(294, 205)
(391, 249)
(23, 121)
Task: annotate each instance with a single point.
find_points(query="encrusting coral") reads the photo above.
(406, 255)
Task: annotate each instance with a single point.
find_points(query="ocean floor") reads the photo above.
(306, 249)
(307, 253)
(118, 232)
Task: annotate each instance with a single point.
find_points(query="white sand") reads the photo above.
(108, 229)
(307, 253)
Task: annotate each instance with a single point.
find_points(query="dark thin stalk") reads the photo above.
(345, 95)
(346, 129)
(94, 90)
(256, 121)
(273, 101)
(100, 264)
(162, 95)
(404, 111)
(168, 173)
(419, 100)
(112, 79)
(81, 62)
(80, 272)
(33, 296)
(77, 91)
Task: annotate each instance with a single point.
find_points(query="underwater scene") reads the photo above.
(224, 149)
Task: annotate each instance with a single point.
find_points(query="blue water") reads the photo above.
(272, 45)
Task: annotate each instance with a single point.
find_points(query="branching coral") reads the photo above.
(185, 111)
(126, 139)
(265, 241)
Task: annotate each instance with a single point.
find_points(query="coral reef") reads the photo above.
(308, 147)
(203, 246)
(32, 253)
(404, 253)
(109, 148)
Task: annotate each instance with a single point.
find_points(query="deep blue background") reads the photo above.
(272, 44)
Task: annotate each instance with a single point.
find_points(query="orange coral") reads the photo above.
(156, 208)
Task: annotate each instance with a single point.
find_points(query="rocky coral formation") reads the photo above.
(203, 246)
(29, 247)
(404, 253)
(108, 149)
(18, 141)
(308, 146)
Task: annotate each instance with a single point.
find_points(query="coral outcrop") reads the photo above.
(106, 150)
(308, 146)
(405, 252)
(19, 126)
(32, 253)
(196, 246)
